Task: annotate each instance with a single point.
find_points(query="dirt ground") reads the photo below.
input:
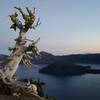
(10, 97)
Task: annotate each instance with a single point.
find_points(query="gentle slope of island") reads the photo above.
(64, 68)
(67, 69)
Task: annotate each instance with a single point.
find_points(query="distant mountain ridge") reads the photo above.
(48, 58)
(82, 58)
(45, 58)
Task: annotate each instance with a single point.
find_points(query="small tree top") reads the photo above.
(29, 20)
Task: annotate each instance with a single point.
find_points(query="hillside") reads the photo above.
(82, 58)
(48, 58)
(45, 58)
(63, 68)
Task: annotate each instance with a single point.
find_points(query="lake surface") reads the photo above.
(84, 87)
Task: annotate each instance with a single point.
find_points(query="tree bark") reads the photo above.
(16, 56)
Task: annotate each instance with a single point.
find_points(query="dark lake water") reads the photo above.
(84, 87)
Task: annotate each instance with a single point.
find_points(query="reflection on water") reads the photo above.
(84, 87)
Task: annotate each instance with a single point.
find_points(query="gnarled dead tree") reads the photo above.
(20, 50)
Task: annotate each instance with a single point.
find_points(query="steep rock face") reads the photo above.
(64, 68)
(45, 58)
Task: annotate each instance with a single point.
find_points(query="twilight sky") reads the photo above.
(68, 26)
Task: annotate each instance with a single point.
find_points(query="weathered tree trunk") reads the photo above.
(19, 52)
(16, 56)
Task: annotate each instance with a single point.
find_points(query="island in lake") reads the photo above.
(61, 68)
